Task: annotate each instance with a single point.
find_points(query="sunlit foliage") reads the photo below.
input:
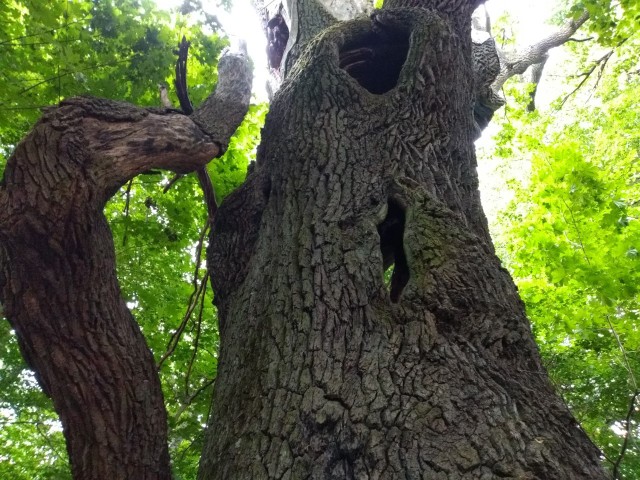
(570, 237)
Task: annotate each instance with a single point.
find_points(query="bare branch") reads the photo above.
(172, 182)
(536, 75)
(175, 337)
(180, 81)
(185, 103)
(601, 63)
(222, 112)
(535, 53)
(192, 397)
(580, 40)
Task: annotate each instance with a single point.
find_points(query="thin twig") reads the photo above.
(196, 344)
(175, 178)
(573, 223)
(579, 40)
(602, 63)
(193, 442)
(47, 439)
(42, 32)
(625, 443)
(199, 247)
(126, 212)
(26, 108)
(57, 77)
(586, 76)
(33, 44)
(193, 396)
(175, 337)
(627, 365)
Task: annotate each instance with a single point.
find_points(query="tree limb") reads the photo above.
(601, 63)
(536, 75)
(535, 53)
(180, 81)
(308, 18)
(185, 103)
(58, 282)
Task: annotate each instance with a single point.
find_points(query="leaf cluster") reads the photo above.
(613, 21)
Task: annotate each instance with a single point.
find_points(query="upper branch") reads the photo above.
(104, 143)
(537, 52)
(222, 112)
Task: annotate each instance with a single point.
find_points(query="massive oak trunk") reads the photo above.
(325, 370)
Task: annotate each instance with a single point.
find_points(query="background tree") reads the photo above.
(570, 237)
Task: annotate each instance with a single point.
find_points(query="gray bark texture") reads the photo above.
(58, 283)
(326, 371)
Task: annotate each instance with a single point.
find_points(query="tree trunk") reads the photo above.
(325, 370)
(58, 282)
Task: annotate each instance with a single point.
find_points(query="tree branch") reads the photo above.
(185, 103)
(601, 62)
(58, 282)
(308, 18)
(223, 111)
(579, 40)
(535, 53)
(180, 81)
(536, 75)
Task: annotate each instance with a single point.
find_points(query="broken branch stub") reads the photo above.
(222, 112)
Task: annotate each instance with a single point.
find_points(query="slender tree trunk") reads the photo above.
(325, 370)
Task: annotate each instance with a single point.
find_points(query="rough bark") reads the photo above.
(57, 266)
(324, 371)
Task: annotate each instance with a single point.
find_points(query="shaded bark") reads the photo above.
(325, 372)
(57, 266)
